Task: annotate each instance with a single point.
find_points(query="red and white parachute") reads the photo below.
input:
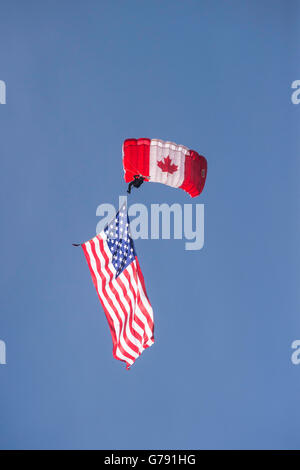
(164, 162)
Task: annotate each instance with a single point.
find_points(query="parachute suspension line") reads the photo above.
(136, 171)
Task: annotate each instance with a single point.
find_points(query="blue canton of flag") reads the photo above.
(120, 242)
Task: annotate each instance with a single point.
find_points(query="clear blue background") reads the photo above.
(215, 76)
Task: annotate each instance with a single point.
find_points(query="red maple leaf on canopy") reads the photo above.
(167, 166)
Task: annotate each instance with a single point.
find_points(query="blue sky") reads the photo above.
(215, 76)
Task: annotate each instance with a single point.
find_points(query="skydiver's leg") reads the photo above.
(129, 187)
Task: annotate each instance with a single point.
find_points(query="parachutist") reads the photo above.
(137, 182)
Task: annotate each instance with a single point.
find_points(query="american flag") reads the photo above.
(120, 285)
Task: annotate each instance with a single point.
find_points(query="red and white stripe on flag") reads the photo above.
(165, 162)
(121, 290)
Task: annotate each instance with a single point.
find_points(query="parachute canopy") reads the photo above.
(164, 162)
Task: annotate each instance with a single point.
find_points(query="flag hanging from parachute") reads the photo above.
(120, 285)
